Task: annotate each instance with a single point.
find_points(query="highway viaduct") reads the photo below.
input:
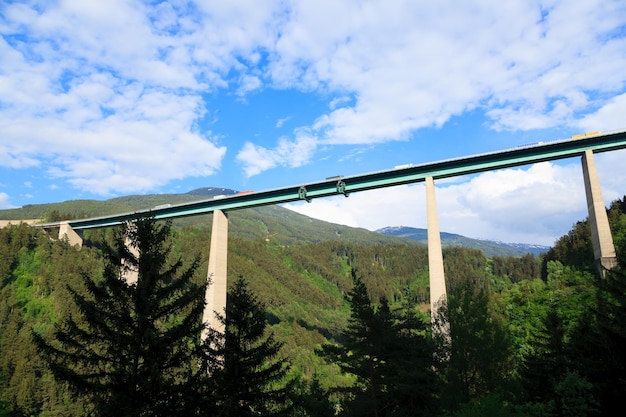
(583, 146)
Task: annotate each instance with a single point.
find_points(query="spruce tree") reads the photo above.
(390, 357)
(544, 367)
(309, 398)
(363, 353)
(130, 349)
(246, 376)
(476, 359)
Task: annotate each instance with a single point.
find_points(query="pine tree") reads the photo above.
(476, 359)
(246, 376)
(130, 349)
(411, 380)
(389, 356)
(310, 399)
(542, 370)
(363, 353)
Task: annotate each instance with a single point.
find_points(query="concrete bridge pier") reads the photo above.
(435, 255)
(66, 232)
(130, 272)
(215, 295)
(603, 248)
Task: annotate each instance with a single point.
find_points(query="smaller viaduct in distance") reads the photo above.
(583, 146)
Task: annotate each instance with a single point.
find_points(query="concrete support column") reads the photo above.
(435, 255)
(130, 272)
(66, 232)
(603, 248)
(215, 296)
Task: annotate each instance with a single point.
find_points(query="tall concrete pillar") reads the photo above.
(66, 232)
(130, 272)
(215, 296)
(435, 255)
(603, 248)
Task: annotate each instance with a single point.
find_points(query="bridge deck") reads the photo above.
(407, 174)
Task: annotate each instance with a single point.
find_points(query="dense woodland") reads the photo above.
(318, 328)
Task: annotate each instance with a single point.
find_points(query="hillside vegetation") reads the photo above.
(517, 323)
(275, 222)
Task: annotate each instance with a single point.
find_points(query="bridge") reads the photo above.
(584, 146)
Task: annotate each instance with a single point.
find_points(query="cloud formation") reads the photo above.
(110, 96)
(291, 153)
(105, 95)
(410, 65)
(4, 201)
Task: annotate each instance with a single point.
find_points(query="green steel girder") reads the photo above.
(523, 155)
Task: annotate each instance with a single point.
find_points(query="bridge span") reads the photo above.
(583, 146)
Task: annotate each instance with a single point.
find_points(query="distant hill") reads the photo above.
(270, 222)
(489, 247)
(524, 247)
(212, 191)
(274, 223)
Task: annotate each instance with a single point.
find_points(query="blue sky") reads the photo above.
(103, 99)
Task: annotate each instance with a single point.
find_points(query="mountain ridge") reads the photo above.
(489, 247)
(270, 222)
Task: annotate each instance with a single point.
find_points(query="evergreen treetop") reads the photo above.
(130, 350)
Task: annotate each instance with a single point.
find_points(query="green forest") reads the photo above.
(324, 326)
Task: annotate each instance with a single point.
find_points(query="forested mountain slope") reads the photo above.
(302, 287)
(269, 222)
(506, 307)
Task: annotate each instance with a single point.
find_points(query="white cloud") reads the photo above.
(256, 159)
(102, 96)
(401, 205)
(282, 121)
(4, 202)
(608, 117)
(248, 83)
(109, 136)
(543, 199)
(612, 175)
(536, 204)
(410, 65)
